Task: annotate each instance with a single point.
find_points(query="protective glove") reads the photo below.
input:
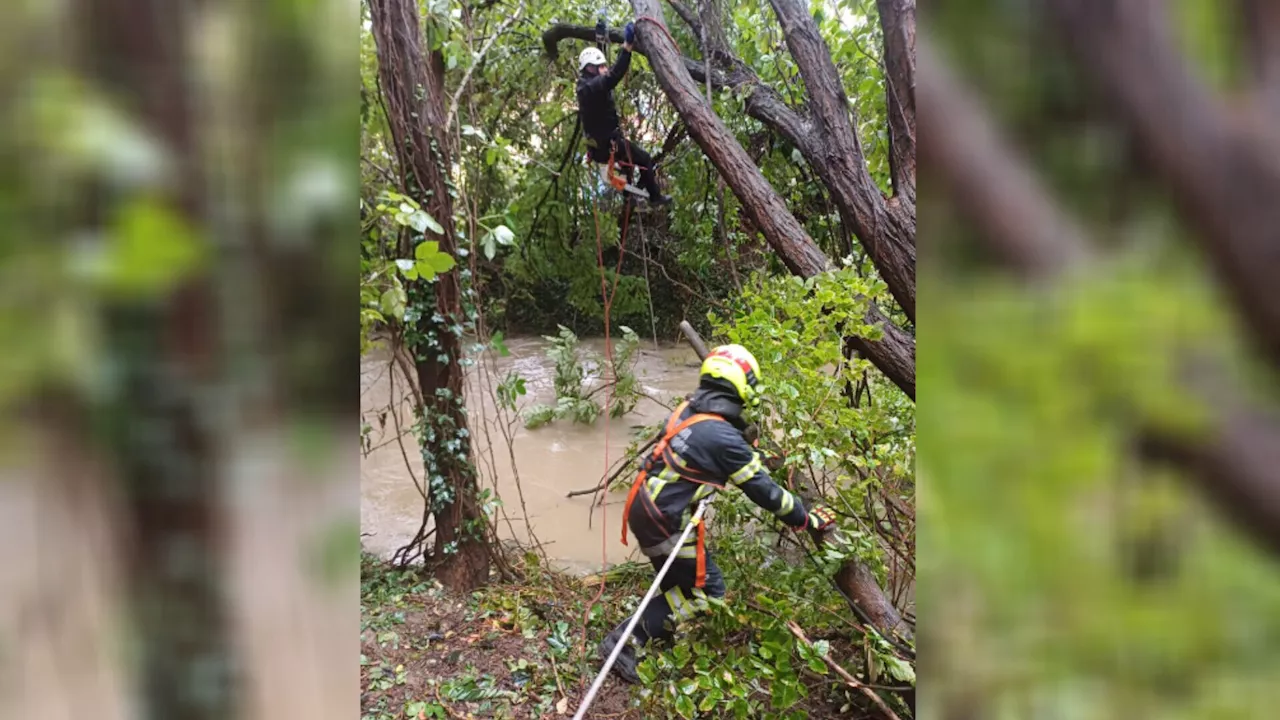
(820, 518)
(629, 33)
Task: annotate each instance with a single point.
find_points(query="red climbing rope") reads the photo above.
(661, 27)
(606, 296)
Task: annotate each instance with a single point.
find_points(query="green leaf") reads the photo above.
(430, 224)
(150, 249)
(426, 250)
(443, 262)
(900, 669)
(393, 301)
(684, 706)
(688, 685)
(424, 270)
(503, 235)
(497, 342)
(710, 701)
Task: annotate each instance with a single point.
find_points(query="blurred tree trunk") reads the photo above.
(164, 347)
(413, 86)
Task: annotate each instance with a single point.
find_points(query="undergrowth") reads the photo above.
(518, 650)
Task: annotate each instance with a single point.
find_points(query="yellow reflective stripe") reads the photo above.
(675, 599)
(656, 483)
(703, 491)
(788, 504)
(699, 601)
(654, 486)
(746, 472)
(687, 552)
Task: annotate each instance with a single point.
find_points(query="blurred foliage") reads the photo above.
(1061, 576)
(177, 222)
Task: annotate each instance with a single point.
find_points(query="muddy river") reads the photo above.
(548, 462)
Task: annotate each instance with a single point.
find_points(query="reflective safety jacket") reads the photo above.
(699, 454)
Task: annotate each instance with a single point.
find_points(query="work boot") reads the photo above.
(658, 199)
(625, 666)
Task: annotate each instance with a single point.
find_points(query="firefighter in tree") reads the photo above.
(599, 115)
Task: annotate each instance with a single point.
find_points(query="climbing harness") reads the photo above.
(635, 618)
(674, 469)
(612, 179)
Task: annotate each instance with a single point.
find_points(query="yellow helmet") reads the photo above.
(738, 367)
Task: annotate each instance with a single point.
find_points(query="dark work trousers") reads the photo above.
(637, 157)
(679, 599)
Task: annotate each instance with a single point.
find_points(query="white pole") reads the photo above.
(626, 634)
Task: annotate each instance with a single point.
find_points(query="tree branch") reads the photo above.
(1222, 169)
(689, 19)
(844, 674)
(987, 179)
(552, 36)
(466, 77)
(1235, 461)
(898, 23)
(1261, 22)
(887, 233)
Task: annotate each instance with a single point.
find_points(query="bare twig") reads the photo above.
(484, 49)
(851, 680)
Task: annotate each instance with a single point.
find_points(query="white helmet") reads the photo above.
(590, 56)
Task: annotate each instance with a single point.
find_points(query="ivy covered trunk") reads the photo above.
(161, 337)
(412, 81)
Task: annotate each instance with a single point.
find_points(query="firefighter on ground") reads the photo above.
(702, 450)
(600, 116)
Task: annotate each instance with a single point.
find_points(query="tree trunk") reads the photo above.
(894, 355)
(831, 147)
(165, 350)
(898, 23)
(413, 85)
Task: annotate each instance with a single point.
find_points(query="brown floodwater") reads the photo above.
(548, 462)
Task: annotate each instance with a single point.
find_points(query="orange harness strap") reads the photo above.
(618, 182)
(674, 427)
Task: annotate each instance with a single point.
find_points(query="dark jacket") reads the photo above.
(595, 101)
(701, 460)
